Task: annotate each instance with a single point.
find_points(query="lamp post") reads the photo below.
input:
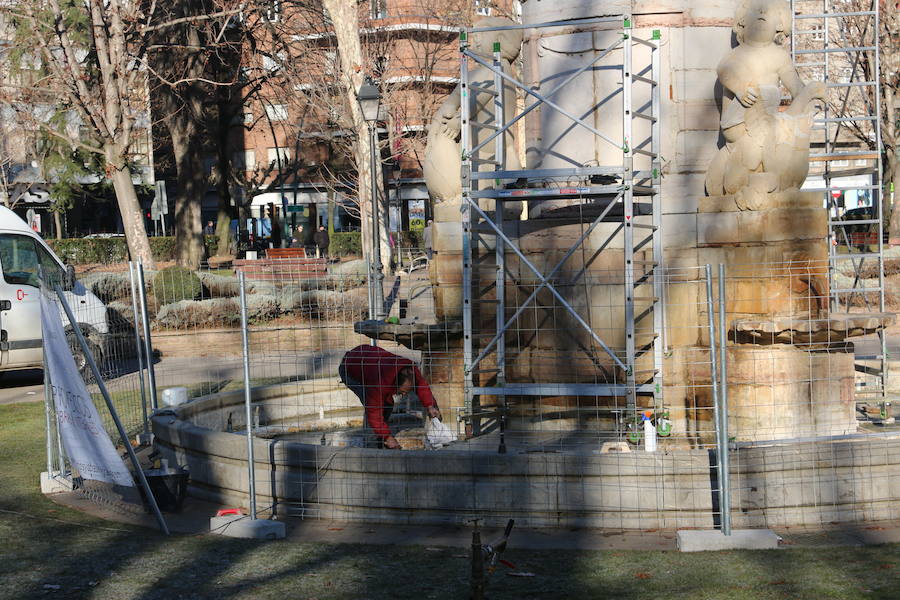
(369, 102)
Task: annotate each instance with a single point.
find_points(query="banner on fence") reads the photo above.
(86, 442)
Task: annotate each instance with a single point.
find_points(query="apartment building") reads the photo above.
(291, 142)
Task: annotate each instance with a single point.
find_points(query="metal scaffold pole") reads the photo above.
(625, 194)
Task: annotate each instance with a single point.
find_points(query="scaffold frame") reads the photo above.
(632, 188)
(822, 38)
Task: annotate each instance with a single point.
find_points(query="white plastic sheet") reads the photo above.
(437, 434)
(88, 446)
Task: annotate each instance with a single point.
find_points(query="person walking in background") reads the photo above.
(322, 241)
(377, 377)
(210, 228)
(426, 239)
(297, 240)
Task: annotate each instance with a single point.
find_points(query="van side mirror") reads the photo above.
(69, 279)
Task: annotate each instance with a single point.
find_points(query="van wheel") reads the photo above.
(81, 363)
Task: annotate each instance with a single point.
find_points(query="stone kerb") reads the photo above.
(434, 487)
(794, 484)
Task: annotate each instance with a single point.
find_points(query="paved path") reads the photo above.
(22, 386)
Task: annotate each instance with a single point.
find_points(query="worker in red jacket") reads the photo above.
(375, 376)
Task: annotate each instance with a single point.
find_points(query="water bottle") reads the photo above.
(649, 433)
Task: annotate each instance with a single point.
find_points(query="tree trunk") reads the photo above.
(891, 172)
(225, 211)
(343, 14)
(191, 189)
(130, 209)
(223, 229)
(57, 221)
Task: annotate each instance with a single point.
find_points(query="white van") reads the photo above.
(23, 257)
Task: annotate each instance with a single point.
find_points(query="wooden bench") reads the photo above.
(285, 252)
(284, 270)
(863, 238)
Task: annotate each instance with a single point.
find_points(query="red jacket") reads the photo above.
(376, 369)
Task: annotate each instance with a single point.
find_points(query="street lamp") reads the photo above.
(369, 102)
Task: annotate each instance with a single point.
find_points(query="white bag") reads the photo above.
(437, 434)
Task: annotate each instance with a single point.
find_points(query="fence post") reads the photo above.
(370, 288)
(714, 379)
(140, 353)
(725, 475)
(148, 343)
(142, 479)
(251, 464)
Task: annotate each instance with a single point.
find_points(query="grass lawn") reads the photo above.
(47, 551)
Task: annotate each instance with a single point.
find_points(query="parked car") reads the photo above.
(24, 259)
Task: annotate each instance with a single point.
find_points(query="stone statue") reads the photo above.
(442, 162)
(766, 150)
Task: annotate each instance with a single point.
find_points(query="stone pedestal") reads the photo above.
(782, 391)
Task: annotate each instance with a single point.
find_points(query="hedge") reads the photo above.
(344, 243)
(111, 250)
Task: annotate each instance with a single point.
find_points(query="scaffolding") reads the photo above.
(836, 42)
(626, 194)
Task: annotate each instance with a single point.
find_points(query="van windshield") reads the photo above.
(21, 260)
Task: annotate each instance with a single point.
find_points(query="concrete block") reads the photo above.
(682, 192)
(242, 526)
(697, 84)
(55, 483)
(695, 150)
(740, 539)
(700, 115)
(679, 231)
(698, 43)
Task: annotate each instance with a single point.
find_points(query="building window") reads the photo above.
(379, 8)
(861, 162)
(483, 8)
(273, 63)
(244, 161)
(277, 112)
(818, 32)
(840, 163)
(248, 118)
(274, 153)
(273, 11)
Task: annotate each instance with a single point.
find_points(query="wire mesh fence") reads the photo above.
(562, 448)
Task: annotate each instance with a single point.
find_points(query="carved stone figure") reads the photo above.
(442, 162)
(442, 155)
(766, 150)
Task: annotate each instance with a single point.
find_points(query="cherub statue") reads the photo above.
(442, 163)
(766, 150)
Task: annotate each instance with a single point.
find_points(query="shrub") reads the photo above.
(90, 250)
(175, 283)
(345, 243)
(262, 308)
(108, 286)
(185, 314)
(411, 239)
(220, 286)
(111, 250)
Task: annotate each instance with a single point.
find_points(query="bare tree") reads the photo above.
(410, 53)
(92, 52)
(95, 55)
